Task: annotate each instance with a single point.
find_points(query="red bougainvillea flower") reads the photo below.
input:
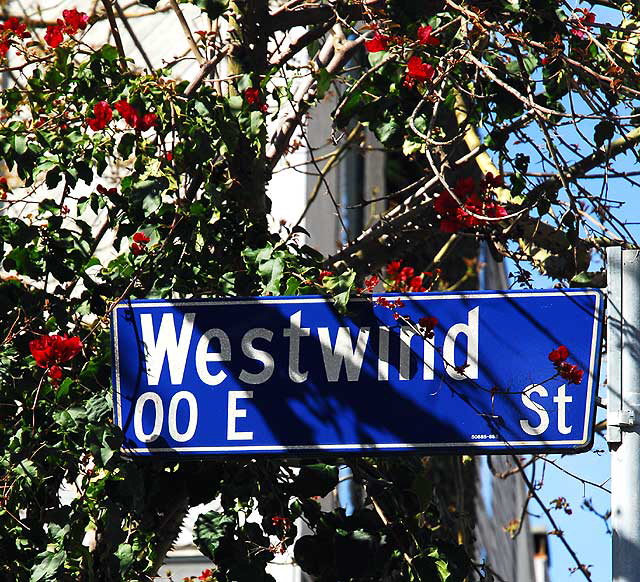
(370, 283)
(10, 29)
(583, 23)
(571, 373)
(425, 38)
(465, 209)
(14, 26)
(252, 97)
(378, 43)
(428, 322)
(102, 116)
(133, 117)
(559, 355)
(404, 279)
(406, 273)
(205, 575)
(324, 273)
(464, 187)
(279, 520)
(490, 181)
(389, 304)
(138, 246)
(393, 268)
(141, 238)
(149, 120)
(51, 350)
(415, 284)
(55, 373)
(568, 371)
(417, 71)
(127, 111)
(106, 192)
(74, 20)
(53, 36)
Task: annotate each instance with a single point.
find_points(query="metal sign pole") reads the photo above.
(623, 412)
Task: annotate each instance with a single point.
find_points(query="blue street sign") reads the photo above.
(288, 375)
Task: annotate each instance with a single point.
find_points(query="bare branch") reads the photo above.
(187, 32)
(116, 33)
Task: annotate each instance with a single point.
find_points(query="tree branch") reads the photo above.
(315, 15)
(333, 60)
(116, 33)
(187, 32)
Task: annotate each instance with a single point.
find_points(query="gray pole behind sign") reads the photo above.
(623, 411)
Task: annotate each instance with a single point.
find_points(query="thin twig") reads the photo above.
(134, 37)
(557, 531)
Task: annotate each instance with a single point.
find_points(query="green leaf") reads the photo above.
(272, 270)
(85, 173)
(209, 530)
(20, 144)
(342, 286)
(292, 286)
(213, 8)
(348, 108)
(589, 279)
(109, 52)
(257, 122)
(236, 102)
(315, 480)
(341, 300)
(603, 132)
(323, 82)
(126, 145)
(390, 132)
(48, 567)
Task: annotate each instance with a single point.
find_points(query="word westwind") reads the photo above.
(288, 375)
